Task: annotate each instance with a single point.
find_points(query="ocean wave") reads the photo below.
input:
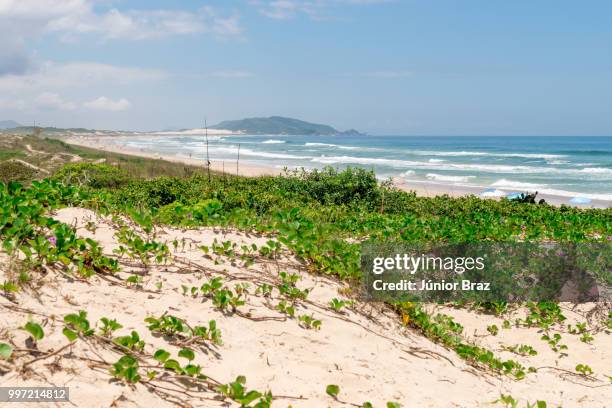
(468, 153)
(517, 185)
(274, 141)
(450, 166)
(494, 168)
(443, 177)
(592, 152)
(545, 189)
(436, 160)
(596, 170)
(564, 193)
(363, 160)
(320, 144)
(249, 152)
(317, 144)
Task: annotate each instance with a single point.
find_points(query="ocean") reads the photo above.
(561, 166)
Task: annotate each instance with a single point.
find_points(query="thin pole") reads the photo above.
(238, 161)
(207, 156)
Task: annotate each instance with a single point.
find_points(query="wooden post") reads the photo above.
(207, 156)
(238, 161)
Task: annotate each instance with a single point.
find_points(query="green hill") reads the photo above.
(276, 125)
(8, 124)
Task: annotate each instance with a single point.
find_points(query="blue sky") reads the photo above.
(386, 67)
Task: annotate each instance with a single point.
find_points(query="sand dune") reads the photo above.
(365, 351)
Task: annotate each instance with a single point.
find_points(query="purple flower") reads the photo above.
(609, 237)
(52, 240)
(523, 227)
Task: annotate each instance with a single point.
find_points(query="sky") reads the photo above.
(394, 67)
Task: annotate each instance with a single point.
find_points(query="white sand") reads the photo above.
(365, 352)
(105, 143)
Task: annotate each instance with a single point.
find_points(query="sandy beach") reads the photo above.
(102, 143)
(364, 350)
(425, 189)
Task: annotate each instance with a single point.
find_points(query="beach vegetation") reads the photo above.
(319, 217)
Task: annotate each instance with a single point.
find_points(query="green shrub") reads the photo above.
(91, 175)
(15, 171)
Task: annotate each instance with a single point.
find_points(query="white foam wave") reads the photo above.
(269, 155)
(494, 168)
(545, 189)
(596, 170)
(320, 144)
(468, 153)
(274, 141)
(436, 160)
(443, 177)
(493, 193)
(517, 185)
(563, 193)
(449, 166)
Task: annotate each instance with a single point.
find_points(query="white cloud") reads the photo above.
(49, 100)
(26, 18)
(106, 104)
(232, 74)
(77, 74)
(12, 104)
(315, 9)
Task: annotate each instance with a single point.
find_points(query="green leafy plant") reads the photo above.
(522, 349)
(493, 329)
(6, 351)
(264, 290)
(77, 324)
(285, 308)
(554, 343)
(131, 342)
(210, 287)
(36, 331)
(584, 369)
(507, 401)
(126, 369)
(109, 326)
(211, 333)
(332, 390)
(337, 305)
(309, 322)
(237, 391)
(586, 337)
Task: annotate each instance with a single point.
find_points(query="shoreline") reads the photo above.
(247, 169)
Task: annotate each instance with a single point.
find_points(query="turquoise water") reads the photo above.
(564, 166)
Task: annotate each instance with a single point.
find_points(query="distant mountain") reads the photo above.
(278, 125)
(8, 124)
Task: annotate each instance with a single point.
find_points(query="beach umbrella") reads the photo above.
(580, 200)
